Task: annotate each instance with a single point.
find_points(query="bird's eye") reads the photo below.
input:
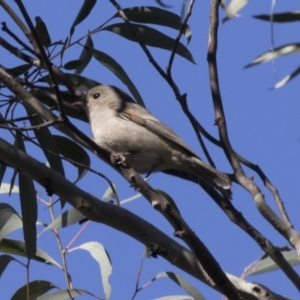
(96, 95)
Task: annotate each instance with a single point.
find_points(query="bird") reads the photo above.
(120, 125)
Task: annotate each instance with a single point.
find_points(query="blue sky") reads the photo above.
(263, 124)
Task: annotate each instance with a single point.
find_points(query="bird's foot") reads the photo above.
(118, 158)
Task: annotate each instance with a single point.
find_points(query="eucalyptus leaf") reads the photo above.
(150, 37)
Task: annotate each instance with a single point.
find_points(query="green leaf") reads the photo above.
(36, 288)
(73, 64)
(81, 82)
(4, 261)
(9, 220)
(184, 284)
(280, 17)
(117, 69)
(287, 78)
(151, 37)
(277, 52)
(17, 247)
(46, 141)
(85, 10)
(234, 7)
(99, 253)
(3, 167)
(42, 32)
(28, 206)
(66, 219)
(85, 55)
(267, 264)
(47, 97)
(158, 16)
(19, 70)
(74, 152)
(6, 188)
(63, 294)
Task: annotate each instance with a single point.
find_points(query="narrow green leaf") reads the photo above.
(64, 48)
(28, 206)
(63, 294)
(99, 253)
(158, 16)
(277, 52)
(267, 264)
(12, 181)
(234, 7)
(85, 55)
(117, 69)
(66, 219)
(46, 141)
(47, 97)
(109, 193)
(81, 82)
(175, 297)
(9, 220)
(17, 247)
(287, 78)
(42, 32)
(151, 37)
(280, 17)
(19, 70)
(6, 188)
(183, 283)
(36, 288)
(3, 167)
(85, 10)
(73, 151)
(73, 64)
(4, 261)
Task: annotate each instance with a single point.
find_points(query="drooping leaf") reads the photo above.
(287, 78)
(28, 206)
(66, 219)
(42, 32)
(233, 8)
(183, 283)
(4, 261)
(267, 264)
(277, 52)
(19, 70)
(85, 55)
(3, 167)
(9, 220)
(109, 193)
(291, 16)
(99, 253)
(81, 82)
(150, 37)
(36, 289)
(84, 11)
(74, 152)
(117, 69)
(63, 294)
(46, 141)
(47, 97)
(6, 188)
(17, 247)
(73, 64)
(158, 16)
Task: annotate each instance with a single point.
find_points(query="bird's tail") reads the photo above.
(211, 176)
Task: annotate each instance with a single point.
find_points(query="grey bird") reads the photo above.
(120, 125)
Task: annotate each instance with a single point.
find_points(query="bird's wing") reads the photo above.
(154, 125)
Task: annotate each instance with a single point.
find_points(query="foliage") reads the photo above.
(42, 90)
